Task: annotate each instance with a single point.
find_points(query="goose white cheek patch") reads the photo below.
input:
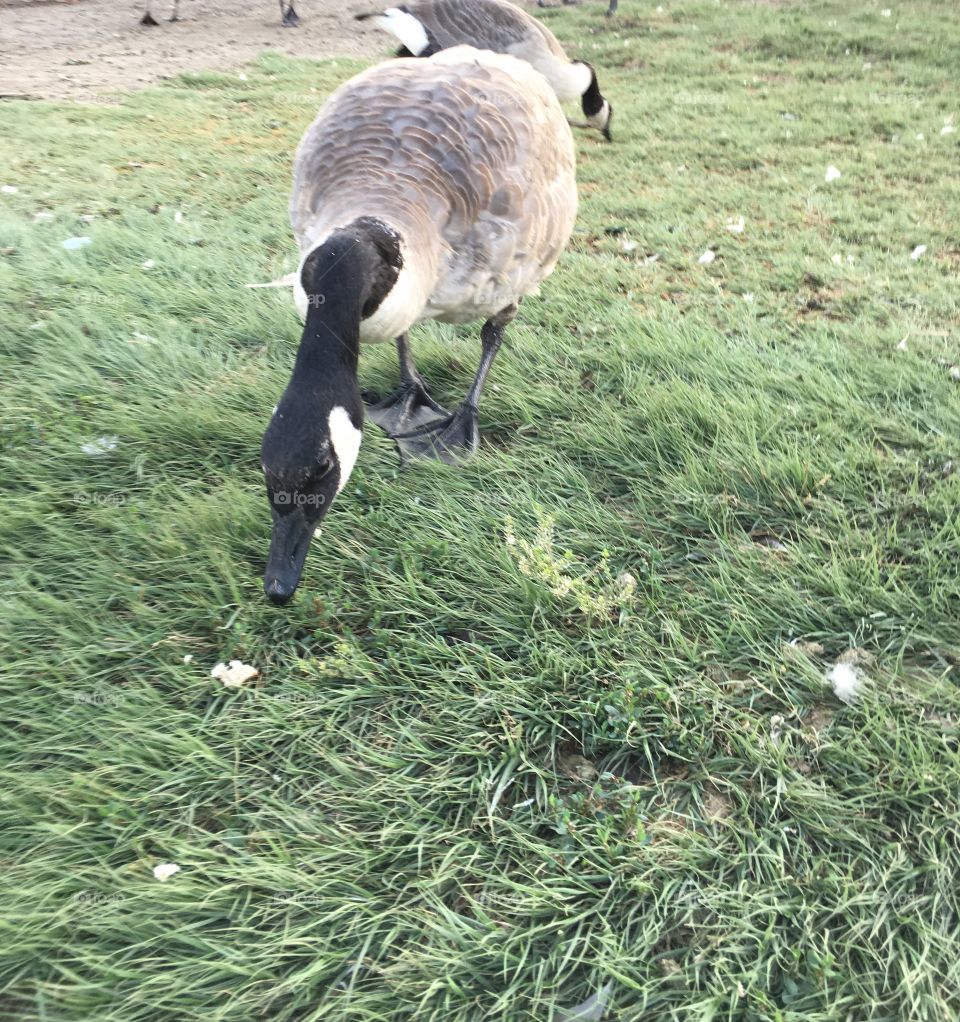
(405, 27)
(345, 439)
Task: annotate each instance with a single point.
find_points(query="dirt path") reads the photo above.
(88, 49)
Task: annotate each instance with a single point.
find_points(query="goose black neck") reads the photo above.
(345, 280)
(334, 278)
(592, 101)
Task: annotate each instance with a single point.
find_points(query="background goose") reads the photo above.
(288, 16)
(426, 26)
(415, 196)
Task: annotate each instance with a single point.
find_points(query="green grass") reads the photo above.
(355, 832)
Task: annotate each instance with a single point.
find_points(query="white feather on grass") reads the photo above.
(846, 680)
(235, 675)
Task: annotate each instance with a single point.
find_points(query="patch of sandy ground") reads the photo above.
(87, 50)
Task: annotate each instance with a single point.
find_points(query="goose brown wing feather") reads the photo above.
(466, 154)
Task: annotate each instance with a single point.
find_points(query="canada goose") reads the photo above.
(415, 196)
(426, 26)
(288, 16)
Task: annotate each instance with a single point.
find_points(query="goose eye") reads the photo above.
(323, 469)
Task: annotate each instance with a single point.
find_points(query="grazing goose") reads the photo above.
(425, 189)
(426, 26)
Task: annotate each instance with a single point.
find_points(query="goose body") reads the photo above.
(424, 27)
(425, 189)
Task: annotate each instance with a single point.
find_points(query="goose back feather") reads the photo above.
(466, 157)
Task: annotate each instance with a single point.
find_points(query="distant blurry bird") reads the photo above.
(288, 16)
(611, 10)
(149, 19)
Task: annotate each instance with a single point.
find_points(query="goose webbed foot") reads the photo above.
(408, 409)
(148, 19)
(290, 18)
(450, 440)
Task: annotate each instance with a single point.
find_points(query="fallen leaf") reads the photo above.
(832, 174)
(165, 870)
(917, 252)
(707, 258)
(74, 243)
(735, 226)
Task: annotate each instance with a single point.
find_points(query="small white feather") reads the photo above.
(846, 681)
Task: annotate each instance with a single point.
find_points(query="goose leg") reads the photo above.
(612, 9)
(409, 407)
(175, 13)
(450, 439)
(288, 16)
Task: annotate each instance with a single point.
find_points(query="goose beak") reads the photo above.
(606, 127)
(288, 550)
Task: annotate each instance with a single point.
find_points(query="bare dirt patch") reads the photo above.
(88, 49)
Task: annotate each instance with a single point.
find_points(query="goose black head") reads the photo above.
(312, 442)
(307, 460)
(596, 109)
